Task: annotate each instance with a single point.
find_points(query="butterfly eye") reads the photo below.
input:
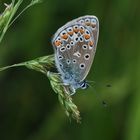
(82, 66)
(84, 85)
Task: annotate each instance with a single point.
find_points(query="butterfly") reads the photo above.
(75, 46)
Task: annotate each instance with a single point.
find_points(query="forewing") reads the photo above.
(75, 46)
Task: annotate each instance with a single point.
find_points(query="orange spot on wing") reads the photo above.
(87, 23)
(57, 43)
(70, 33)
(91, 43)
(65, 36)
(81, 31)
(93, 25)
(87, 36)
(76, 30)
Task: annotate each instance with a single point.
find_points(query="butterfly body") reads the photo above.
(75, 46)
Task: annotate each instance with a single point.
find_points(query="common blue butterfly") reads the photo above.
(75, 46)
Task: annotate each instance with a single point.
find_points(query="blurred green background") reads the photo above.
(29, 109)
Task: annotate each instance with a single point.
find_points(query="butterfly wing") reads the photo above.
(75, 46)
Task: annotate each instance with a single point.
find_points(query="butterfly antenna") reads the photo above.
(104, 103)
(90, 83)
(99, 84)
